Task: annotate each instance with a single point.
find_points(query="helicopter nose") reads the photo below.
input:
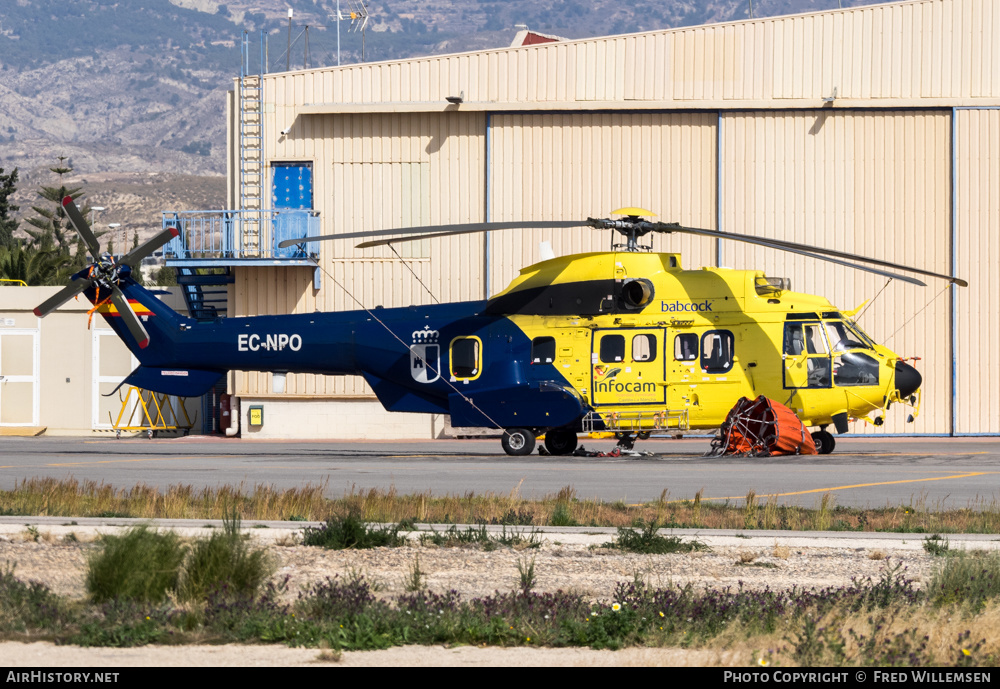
(907, 379)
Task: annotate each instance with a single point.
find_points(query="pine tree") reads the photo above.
(8, 185)
(54, 240)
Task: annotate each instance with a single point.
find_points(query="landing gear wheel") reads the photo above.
(825, 442)
(518, 441)
(560, 442)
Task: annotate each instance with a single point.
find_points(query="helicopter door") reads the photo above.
(717, 381)
(627, 367)
(806, 356)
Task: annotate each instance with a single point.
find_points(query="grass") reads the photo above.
(141, 564)
(883, 621)
(73, 498)
(649, 541)
(341, 532)
(479, 535)
(225, 562)
(966, 579)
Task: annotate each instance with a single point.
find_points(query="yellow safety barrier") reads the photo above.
(157, 413)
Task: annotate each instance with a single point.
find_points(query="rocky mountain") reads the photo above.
(133, 94)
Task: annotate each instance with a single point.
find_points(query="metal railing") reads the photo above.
(637, 421)
(246, 234)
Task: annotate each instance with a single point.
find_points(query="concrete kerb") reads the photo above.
(266, 532)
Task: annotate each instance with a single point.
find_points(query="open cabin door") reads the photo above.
(805, 356)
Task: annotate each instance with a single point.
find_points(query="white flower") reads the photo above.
(616, 607)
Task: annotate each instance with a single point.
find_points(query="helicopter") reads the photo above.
(624, 341)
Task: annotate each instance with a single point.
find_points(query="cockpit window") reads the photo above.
(843, 338)
(860, 331)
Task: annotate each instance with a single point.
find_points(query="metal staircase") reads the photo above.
(206, 293)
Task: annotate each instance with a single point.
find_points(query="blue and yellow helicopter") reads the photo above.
(624, 341)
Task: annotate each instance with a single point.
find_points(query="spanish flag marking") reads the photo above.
(111, 310)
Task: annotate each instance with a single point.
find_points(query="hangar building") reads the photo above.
(873, 130)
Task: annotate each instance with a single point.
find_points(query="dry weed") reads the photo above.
(782, 552)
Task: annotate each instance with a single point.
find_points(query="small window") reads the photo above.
(717, 351)
(815, 340)
(644, 348)
(686, 347)
(795, 343)
(465, 357)
(543, 350)
(612, 349)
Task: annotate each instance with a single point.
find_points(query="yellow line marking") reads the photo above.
(125, 461)
(856, 485)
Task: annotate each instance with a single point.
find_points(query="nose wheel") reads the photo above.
(825, 442)
(560, 442)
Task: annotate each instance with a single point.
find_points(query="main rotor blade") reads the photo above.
(76, 217)
(440, 230)
(815, 250)
(62, 296)
(136, 255)
(828, 259)
(131, 320)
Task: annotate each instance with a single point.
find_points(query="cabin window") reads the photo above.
(543, 350)
(612, 349)
(466, 357)
(644, 348)
(686, 347)
(717, 351)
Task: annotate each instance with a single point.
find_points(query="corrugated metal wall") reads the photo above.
(977, 254)
(854, 175)
(377, 172)
(565, 166)
(872, 183)
(899, 51)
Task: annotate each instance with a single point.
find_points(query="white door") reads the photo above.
(19, 373)
(112, 362)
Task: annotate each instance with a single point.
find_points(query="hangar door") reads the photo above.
(871, 182)
(977, 255)
(575, 166)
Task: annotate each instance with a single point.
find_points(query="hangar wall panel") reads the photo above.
(977, 254)
(868, 182)
(568, 167)
(375, 172)
(901, 51)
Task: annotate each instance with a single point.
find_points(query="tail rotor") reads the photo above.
(106, 273)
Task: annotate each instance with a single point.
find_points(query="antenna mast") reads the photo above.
(358, 17)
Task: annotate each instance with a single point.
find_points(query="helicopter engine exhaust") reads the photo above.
(637, 293)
